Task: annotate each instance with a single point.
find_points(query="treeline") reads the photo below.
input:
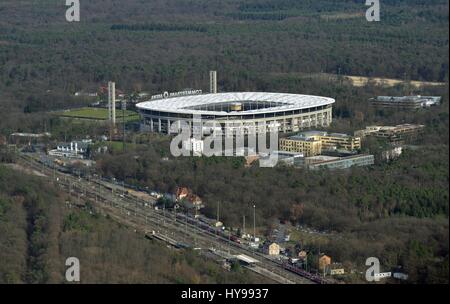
(40, 228)
(397, 212)
(324, 5)
(308, 5)
(411, 44)
(259, 16)
(29, 225)
(159, 27)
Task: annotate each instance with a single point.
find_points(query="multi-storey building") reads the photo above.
(314, 142)
(396, 135)
(405, 102)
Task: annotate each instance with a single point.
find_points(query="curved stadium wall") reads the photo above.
(287, 112)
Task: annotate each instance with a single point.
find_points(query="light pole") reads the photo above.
(218, 218)
(124, 107)
(254, 223)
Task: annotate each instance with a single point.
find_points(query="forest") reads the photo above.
(39, 230)
(171, 45)
(397, 211)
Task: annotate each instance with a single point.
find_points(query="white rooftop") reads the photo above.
(286, 102)
(246, 259)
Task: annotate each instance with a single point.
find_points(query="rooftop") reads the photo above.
(246, 258)
(309, 135)
(405, 99)
(210, 103)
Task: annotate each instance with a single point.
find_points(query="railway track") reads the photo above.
(136, 214)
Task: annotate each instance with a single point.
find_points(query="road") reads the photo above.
(134, 213)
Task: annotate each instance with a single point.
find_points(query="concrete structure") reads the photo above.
(112, 102)
(315, 142)
(31, 135)
(329, 162)
(76, 149)
(340, 141)
(299, 144)
(319, 159)
(213, 82)
(245, 259)
(396, 135)
(29, 138)
(405, 102)
(282, 157)
(257, 112)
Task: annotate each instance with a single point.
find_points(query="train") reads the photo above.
(303, 273)
(205, 225)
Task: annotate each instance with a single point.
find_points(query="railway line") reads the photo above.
(182, 229)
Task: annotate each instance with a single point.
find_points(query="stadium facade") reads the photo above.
(254, 111)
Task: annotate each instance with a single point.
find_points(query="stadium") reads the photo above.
(286, 112)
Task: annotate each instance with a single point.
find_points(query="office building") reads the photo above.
(405, 102)
(315, 142)
(396, 135)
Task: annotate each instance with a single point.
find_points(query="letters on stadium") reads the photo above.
(176, 94)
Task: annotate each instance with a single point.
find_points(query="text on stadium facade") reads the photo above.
(176, 94)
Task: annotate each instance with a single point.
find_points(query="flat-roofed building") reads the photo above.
(340, 141)
(399, 134)
(341, 162)
(298, 144)
(315, 142)
(282, 157)
(405, 102)
(75, 149)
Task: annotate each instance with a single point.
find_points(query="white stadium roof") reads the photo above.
(287, 102)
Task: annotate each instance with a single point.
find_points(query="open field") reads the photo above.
(98, 114)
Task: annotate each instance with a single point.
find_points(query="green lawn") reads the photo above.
(117, 146)
(99, 114)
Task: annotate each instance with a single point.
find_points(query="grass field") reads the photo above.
(98, 114)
